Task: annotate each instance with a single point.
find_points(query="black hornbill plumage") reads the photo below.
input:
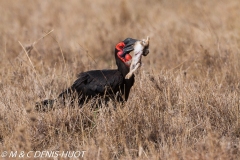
(106, 84)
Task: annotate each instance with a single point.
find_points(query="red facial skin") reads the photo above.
(120, 53)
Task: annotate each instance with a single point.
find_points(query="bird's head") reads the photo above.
(122, 56)
(122, 53)
(123, 49)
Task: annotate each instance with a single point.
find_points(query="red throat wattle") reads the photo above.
(120, 55)
(128, 57)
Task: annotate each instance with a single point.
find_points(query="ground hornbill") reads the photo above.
(101, 84)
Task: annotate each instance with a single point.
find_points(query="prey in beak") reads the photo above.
(140, 48)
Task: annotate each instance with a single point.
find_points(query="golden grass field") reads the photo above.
(186, 99)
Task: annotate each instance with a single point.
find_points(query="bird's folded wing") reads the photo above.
(97, 82)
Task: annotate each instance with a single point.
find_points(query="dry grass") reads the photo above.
(184, 104)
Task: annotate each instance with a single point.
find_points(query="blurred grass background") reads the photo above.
(184, 104)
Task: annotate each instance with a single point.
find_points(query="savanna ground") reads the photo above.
(184, 104)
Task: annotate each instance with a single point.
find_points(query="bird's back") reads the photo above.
(96, 83)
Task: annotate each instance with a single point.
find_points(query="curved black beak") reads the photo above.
(129, 42)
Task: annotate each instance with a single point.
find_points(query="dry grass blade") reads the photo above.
(33, 68)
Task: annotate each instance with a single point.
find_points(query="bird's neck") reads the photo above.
(123, 69)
